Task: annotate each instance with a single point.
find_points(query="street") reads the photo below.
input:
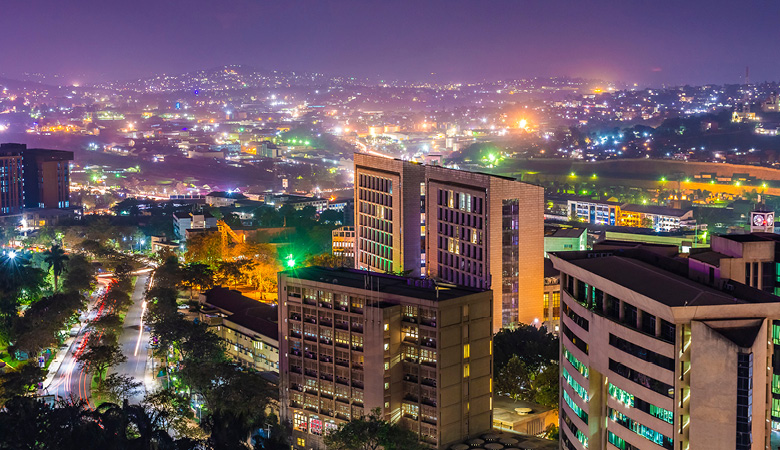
(70, 381)
(134, 340)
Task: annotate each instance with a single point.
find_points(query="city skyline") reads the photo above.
(660, 44)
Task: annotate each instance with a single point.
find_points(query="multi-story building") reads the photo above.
(352, 341)
(343, 242)
(551, 316)
(594, 211)
(183, 221)
(33, 178)
(467, 228)
(46, 178)
(249, 328)
(653, 359)
(751, 259)
(11, 181)
(558, 239)
(659, 218)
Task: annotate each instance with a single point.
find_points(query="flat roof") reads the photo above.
(257, 316)
(566, 233)
(660, 281)
(425, 289)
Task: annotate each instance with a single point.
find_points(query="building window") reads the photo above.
(301, 442)
(467, 351)
(744, 401)
(466, 371)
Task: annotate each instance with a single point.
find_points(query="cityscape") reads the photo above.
(421, 225)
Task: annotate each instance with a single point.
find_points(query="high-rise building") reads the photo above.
(352, 341)
(45, 176)
(653, 359)
(11, 181)
(472, 229)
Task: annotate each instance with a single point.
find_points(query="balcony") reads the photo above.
(296, 317)
(327, 305)
(310, 373)
(327, 341)
(294, 369)
(429, 420)
(411, 378)
(326, 358)
(411, 397)
(341, 325)
(428, 401)
(357, 328)
(295, 352)
(310, 301)
(342, 363)
(429, 382)
(428, 363)
(341, 380)
(295, 334)
(428, 322)
(310, 320)
(429, 342)
(326, 322)
(357, 384)
(326, 377)
(409, 319)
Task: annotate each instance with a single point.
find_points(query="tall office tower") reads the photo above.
(751, 259)
(352, 341)
(11, 183)
(388, 214)
(46, 180)
(467, 228)
(653, 359)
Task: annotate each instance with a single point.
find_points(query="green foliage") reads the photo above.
(535, 347)
(22, 381)
(526, 365)
(79, 275)
(99, 355)
(370, 433)
(118, 387)
(55, 258)
(39, 327)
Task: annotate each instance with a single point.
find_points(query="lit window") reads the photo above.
(387, 386)
(387, 347)
(387, 326)
(301, 442)
(387, 366)
(466, 371)
(467, 350)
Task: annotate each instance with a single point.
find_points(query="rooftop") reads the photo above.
(660, 278)
(425, 289)
(252, 314)
(564, 232)
(654, 209)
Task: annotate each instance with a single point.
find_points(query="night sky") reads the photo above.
(647, 42)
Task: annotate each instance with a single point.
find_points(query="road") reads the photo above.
(134, 340)
(73, 383)
(70, 381)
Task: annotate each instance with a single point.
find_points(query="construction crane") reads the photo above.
(228, 235)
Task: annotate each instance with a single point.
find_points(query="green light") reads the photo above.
(593, 176)
(712, 181)
(492, 157)
(307, 143)
(572, 174)
(663, 178)
(290, 263)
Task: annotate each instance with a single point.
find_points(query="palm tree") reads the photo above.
(55, 258)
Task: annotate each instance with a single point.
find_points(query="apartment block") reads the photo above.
(651, 358)
(472, 229)
(11, 181)
(343, 242)
(751, 259)
(248, 327)
(352, 341)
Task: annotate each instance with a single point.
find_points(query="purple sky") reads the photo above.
(649, 42)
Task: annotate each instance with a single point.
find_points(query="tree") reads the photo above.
(535, 347)
(118, 387)
(99, 356)
(514, 380)
(21, 381)
(545, 386)
(204, 248)
(370, 433)
(55, 258)
(197, 276)
(79, 275)
(171, 411)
